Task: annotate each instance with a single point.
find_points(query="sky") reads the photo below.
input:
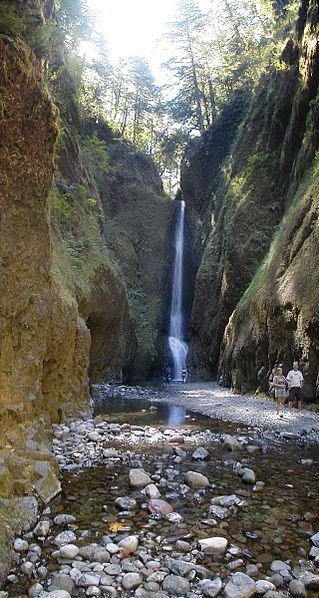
(133, 28)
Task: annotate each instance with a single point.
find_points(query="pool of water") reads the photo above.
(273, 524)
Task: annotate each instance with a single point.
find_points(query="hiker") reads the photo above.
(279, 384)
(295, 381)
(184, 376)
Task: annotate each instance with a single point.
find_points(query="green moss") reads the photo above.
(140, 311)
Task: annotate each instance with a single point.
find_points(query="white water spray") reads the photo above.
(177, 346)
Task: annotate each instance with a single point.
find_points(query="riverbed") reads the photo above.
(208, 479)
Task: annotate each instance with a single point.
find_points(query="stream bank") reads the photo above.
(159, 501)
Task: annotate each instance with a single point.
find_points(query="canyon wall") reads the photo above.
(254, 209)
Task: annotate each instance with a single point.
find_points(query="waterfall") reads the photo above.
(177, 346)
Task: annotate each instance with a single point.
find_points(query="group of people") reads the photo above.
(287, 387)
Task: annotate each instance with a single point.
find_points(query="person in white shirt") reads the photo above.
(295, 383)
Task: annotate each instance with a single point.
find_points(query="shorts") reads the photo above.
(295, 393)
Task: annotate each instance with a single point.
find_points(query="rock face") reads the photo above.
(255, 303)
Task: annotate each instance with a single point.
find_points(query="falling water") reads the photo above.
(177, 346)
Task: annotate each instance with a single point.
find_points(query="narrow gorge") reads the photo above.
(151, 235)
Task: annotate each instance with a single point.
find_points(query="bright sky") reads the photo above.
(132, 27)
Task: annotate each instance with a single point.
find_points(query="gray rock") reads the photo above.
(179, 567)
(125, 503)
(273, 594)
(41, 529)
(112, 569)
(101, 555)
(240, 586)
(88, 551)
(231, 443)
(175, 585)
(4, 594)
(93, 591)
(66, 537)
(27, 568)
(34, 591)
(214, 545)
(59, 594)
(139, 478)
(69, 551)
(62, 581)
(278, 566)
(20, 545)
(277, 580)
(131, 581)
(218, 511)
(196, 480)
(64, 519)
(210, 587)
(200, 453)
(152, 491)
(249, 476)
(315, 539)
(86, 580)
(263, 586)
(297, 589)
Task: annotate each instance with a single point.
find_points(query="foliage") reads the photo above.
(141, 316)
(96, 154)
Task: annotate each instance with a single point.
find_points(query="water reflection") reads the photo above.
(176, 416)
(139, 411)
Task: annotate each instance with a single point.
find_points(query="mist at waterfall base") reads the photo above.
(179, 333)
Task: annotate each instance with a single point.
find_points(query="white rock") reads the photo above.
(130, 543)
(263, 586)
(315, 539)
(240, 586)
(214, 545)
(41, 529)
(20, 545)
(152, 491)
(86, 580)
(63, 518)
(35, 590)
(93, 591)
(69, 551)
(200, 453)
(278, 566)
(112, 548)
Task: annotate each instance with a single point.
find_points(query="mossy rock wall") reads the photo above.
(237, 205)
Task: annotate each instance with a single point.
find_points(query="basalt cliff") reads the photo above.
(251, 190)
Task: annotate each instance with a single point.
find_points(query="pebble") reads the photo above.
(69, 551)
(34, 591)
(64, 519)
(20, 545)
(213, 545)
(66, 537)
(126, 503)
(131, 581)
(279, 566)
(130, 543)
(139, 478)
(41, 529)
(210, 587)
(176, 585)
(263, 586)
(196, 480)
(297, 589)
(240, 586)
(200, 453)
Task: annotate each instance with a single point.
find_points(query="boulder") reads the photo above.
(196, 480)
(139, 478)
(240, 586)
(214, 545)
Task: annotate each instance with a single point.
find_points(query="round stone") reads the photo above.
(176, 585)
(20, 545)
(64, 519)
(69, 551)
(200, 453)
(214, 545)
(93, 591)
(152, 491)
(196, 480)
(66, 537)
(210, 587)
(139, 478)
(278, 566)
(35, 590)
(263, 586)
(130, 543)
(297, 589)
(125, 503)
(240, 586)
(131, 581)
(41, 529)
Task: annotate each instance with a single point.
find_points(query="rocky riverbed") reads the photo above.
(157, 501)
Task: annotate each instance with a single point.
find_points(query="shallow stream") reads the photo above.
(275, 523)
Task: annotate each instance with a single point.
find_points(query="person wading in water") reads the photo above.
(295, 383)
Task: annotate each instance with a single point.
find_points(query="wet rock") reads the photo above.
(263, 586)
(66, 537)
(214, 545)
(152, 491)
(176, 585)
(131, 581)
(279, 566)
(200, 453)
(64, 519)
(139, 478)
(41, 529)
(27, 568)
(297, 589)
(236, 564)
(125, 503)
(130, 543)
(259, 486)
(277, 580)
(196, 480)
(159, 506)
(93, 591)
(229, 501)
(182, 546)
(249, 476)
(231, 443)
(210, 587)
(179, 567)
(69, 551)
(173, 517)
(240, 586)
(20, 545)
(218, 511)
(315, 539)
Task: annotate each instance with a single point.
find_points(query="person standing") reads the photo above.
(279, 384)
(295, 383)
